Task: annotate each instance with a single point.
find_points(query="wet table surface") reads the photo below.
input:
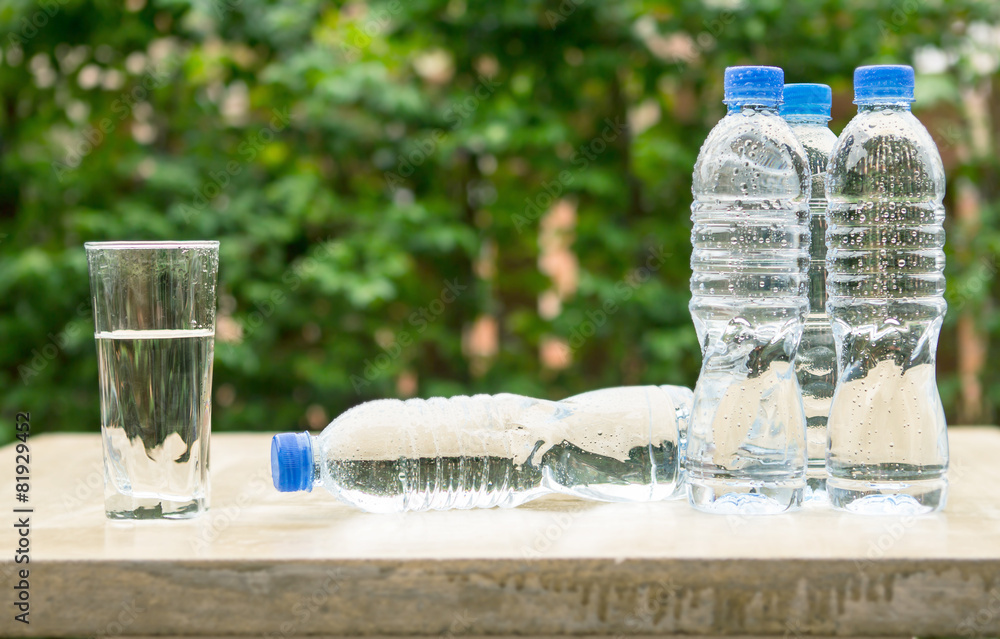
(264, 563)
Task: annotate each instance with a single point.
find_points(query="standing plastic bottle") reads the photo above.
(386, 456)
(888, 450)
(807, 110)
(746, 442)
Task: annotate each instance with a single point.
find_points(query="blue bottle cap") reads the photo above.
(883, 83)
(807, 99)
(754, 85)
(292, 462)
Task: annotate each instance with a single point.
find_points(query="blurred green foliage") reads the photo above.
(376, 173)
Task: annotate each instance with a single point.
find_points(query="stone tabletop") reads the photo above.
(279, 565)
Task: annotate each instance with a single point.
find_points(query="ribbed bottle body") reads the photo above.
(749, 299)
(615, 444)
(888, 441)
(460, 452)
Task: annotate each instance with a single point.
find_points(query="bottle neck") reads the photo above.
(316, 473)
(868, 106)
(800, 119)
(741, 107)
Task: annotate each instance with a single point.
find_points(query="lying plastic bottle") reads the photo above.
(386, 456)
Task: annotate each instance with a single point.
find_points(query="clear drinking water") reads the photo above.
(155, 394)
(746, 442)
(888, 449)
(385, 456)
(807, 110)
(154, 311)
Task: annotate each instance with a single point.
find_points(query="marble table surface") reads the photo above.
(279, 565)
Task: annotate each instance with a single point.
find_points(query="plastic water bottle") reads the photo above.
(387, 456)
(807, 110)
(888, 450)
(746, 442)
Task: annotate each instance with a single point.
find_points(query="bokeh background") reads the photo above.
(433, 197)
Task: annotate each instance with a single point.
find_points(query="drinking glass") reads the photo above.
(154, 320)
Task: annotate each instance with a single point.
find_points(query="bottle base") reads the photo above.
(815, 490)
(125, 507)
(738, 498)
(888, 497)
